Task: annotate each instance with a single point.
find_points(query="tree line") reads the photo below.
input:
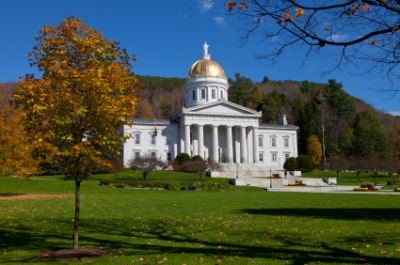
(351, 127)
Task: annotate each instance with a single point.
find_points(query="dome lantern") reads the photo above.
(205, 67)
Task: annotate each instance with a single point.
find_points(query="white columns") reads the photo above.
(255, 145)
(250, 149)
(243, 144)
(200, 134)
(237, 144)
(182, 140)
(229, 144)
(187, 139)
(215, 143)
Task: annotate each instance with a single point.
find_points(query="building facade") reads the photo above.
(214, 128)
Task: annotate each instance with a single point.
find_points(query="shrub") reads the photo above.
(305, 163)
(197, 158)
(182, 158)
(147, 164)
(290, 164)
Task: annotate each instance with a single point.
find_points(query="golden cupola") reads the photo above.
(205, 67)
(206, 83)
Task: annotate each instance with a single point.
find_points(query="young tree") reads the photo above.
(147, 164)
(86, 93)
(314, 149)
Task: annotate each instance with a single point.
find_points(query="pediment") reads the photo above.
(225, 108)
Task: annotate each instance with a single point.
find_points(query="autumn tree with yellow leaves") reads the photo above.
(15, 148)
(314, 149)
(87, 91)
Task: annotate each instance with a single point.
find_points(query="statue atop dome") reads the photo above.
(205, 48)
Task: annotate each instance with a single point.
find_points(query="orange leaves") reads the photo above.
(287, 16)
(353, 9)
(241, 5)
(230, 5)
(299, 12)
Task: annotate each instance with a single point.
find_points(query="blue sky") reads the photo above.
(167, 37)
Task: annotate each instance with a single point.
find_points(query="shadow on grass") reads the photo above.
(166, 237)
(374, 214)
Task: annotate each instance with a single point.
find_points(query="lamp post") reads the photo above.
(270, 178)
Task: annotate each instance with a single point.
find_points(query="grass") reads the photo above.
(239, 226)
(351, 178)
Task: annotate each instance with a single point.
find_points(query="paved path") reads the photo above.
(279, 186)
(337, 189)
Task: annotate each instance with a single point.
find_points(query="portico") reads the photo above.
(227, 137)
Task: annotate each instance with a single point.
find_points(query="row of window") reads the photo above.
(273, 141)
(274, 157)
(153, 154)
(153, 139)
(203, 93)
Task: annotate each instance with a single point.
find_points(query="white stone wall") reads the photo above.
(280, 150)
(166, 141)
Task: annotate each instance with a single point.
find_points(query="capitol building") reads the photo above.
(214, 128)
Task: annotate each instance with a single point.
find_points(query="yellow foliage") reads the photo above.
(15, 147)
(314, 149)
(74, 111)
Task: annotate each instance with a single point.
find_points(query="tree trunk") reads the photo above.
(77, 213)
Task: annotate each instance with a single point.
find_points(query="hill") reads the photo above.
(352, 128)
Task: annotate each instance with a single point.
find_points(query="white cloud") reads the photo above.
(220, 21)
(338, 37)
(206, 5)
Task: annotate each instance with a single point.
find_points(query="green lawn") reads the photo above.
(236, 226)
(351, 178)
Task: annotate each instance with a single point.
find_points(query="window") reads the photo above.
(287, 155)
(222, 94)
(153, 139)
(153, 154)
(167, 141)
(137, 138)
(286, 141)
(261, 157)
(203, 93)
(273, 141)
(260, 141)
(213, 95)
(137, 154)
(194, 95)
(273, 157)
(169, 156)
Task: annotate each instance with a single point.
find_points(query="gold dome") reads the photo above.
(206, 67)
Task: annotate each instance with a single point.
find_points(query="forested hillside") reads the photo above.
(352, 128)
